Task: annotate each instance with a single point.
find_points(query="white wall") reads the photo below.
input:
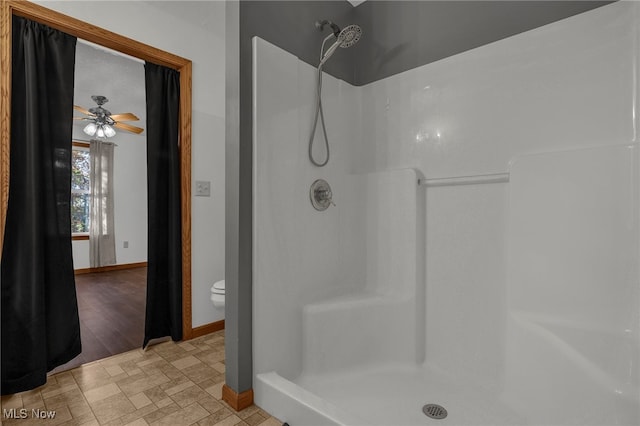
(193, 30)
(130, 201)
(121, 80)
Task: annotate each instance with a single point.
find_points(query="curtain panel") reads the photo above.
(102, 239)
(39, 312)
(164, 262)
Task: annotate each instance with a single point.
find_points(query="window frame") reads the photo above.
(84, 146)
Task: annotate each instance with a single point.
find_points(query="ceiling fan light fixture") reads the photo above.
(102, 123)
(108, 131)
(90, 129)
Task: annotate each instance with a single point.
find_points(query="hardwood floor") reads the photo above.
(111, 306)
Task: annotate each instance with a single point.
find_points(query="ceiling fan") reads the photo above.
(102, 122)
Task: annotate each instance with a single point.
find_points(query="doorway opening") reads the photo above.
(110, 289)
(122, 44)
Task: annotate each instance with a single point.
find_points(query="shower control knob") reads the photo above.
(327, 196)
(321, 195)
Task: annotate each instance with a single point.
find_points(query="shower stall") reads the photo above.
(483, 250)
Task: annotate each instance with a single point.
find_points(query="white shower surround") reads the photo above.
(509, 303)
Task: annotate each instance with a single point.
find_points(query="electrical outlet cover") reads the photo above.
(203, 188)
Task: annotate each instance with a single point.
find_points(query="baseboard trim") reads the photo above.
(237, 401)
(110, 268)
(207, 329)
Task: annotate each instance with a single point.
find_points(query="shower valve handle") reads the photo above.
(325, 195)
(321, 195)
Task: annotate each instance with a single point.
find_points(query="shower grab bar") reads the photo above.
(465, 180)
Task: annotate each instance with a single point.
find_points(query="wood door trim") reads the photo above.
(97, 35)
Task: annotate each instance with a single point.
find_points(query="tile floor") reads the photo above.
(168, 384)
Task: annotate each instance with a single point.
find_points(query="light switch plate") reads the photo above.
(203, 188)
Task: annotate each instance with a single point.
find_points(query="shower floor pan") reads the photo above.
(395, 395)
(386, 395)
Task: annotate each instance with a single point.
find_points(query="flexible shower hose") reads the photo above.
(319, 112)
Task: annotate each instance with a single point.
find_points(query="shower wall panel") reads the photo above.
(567, 84)
(570, 85)
(350, 274)
(301, 256)
(466, 283)
(573, 293)
(531, 291)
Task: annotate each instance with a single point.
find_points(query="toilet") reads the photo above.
(217, 294)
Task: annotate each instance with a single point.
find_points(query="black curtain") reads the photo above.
(39, 310)
(164, 276)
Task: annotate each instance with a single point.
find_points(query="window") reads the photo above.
(80, 190)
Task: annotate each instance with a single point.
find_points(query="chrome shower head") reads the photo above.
(345, 38)
(349, 36)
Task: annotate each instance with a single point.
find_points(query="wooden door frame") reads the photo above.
(100, 36)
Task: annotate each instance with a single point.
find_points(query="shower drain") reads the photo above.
(434, 411)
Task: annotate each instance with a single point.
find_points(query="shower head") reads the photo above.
(345, 38)
(349, 36)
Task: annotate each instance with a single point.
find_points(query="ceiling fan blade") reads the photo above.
(81, 118)
(127, 116)
(83, 110)
(129, 128)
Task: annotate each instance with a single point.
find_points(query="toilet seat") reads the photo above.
(217, 294)
(218, 287)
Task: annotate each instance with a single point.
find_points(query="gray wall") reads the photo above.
(291, 26)
(397, 36)
(401, 35)
(237, 309)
